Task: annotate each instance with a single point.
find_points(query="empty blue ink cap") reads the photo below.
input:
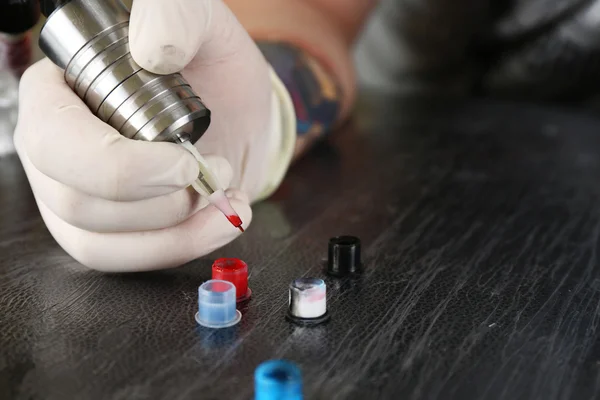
(216, 304)
(277, 380)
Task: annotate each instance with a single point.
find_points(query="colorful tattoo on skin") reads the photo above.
(315, 94)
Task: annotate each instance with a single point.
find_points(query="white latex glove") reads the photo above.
(116, 204)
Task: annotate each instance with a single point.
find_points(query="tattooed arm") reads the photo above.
(316, 95)
(308, 44)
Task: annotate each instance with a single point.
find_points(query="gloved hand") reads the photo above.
(116, 204)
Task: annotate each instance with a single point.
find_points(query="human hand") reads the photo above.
(116, 204)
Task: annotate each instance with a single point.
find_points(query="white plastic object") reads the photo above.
(216, 304)
(308, 298)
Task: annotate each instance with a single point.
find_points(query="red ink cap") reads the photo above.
(235, 271)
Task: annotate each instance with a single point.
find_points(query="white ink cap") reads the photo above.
(308, 301)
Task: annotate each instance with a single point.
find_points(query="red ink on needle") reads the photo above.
(236, 221)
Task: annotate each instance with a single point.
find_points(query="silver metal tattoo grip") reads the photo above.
(89, 40)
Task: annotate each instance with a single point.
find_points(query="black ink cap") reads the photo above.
(344, 256)
(18, 16)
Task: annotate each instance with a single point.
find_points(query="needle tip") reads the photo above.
(236, 221)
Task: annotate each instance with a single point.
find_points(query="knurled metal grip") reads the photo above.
(89, 40)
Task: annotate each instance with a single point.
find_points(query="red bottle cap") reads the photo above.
(235, 271)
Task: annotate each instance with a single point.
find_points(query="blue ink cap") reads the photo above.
(277, 380)
(216, 305)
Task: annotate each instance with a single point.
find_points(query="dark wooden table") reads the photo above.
(480, 225)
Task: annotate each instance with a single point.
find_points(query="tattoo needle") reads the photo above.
(207, 185)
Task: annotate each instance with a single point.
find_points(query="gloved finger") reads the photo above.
(66, 142)
(164, 36)
(204, 232)
(100, 215)
(236, 194)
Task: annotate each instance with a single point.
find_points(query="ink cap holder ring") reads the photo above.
(308, 302)
(343, 256)
(235, 271)
(217, 305)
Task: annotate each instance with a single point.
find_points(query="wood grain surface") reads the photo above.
(480, 225)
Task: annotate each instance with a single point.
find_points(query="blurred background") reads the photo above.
(18, 49)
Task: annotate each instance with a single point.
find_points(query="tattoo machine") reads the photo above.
(89, 40)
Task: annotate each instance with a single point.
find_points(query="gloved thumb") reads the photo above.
(164, 35)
